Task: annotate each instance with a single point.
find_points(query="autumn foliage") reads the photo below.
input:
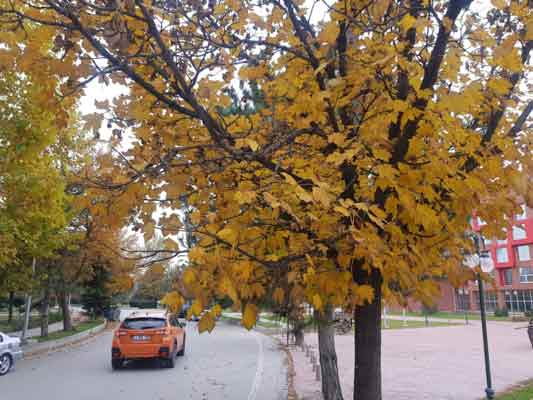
(383, 125)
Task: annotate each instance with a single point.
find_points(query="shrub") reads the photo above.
(501, 312)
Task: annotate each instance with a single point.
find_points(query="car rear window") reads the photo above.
(144, 323)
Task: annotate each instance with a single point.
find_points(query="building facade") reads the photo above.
(511, 266)
(512, 261)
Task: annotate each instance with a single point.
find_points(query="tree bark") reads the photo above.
(10, 307)
(331, 387)
(367, 371)
(298, 332)
(45, 309)
(65, 309)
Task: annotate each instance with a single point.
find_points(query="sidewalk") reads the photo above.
(55, 327)
(439, 363)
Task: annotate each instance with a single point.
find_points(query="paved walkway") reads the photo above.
(56, 326)
(440, 363)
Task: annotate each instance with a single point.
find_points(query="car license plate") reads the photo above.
(140, 338)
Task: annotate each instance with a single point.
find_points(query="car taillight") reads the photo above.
(163, 332)
(121, 333)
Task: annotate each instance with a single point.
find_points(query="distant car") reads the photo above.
(10, 352)
(197, 318)
(144, 335)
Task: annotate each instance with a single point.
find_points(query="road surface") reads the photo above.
(230, 363)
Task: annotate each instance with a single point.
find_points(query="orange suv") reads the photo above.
(145, 335)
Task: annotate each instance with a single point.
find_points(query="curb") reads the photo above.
(34, 350)
(271, 332)
(291, 372)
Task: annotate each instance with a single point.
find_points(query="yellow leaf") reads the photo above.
(500, 4)
(278, 296)
(317, 302)
(244, 197)
(228, 235)
(197, 307)
(253, 144)
(207, 323)
(171, 244)
(217, 310)
(342, 210)
(321, 196)
(309, 260)
(189, 276)
(249, 317)
(173, 301)
(364, 293)
(407, 22)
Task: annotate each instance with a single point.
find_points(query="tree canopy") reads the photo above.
(383, 126)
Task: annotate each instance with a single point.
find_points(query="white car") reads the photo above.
(10, 352)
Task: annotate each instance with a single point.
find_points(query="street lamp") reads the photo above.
(481, 253)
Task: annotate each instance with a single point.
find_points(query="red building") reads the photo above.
(510, 264)
(512, 259)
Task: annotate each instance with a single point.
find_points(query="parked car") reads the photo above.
(144, 335)
(10, 352)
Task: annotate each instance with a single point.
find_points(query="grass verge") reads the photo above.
(397, 324)
(452, 315)
(84, 326)
(521, 392)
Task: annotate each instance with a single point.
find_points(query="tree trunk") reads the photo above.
(45, 309)
(10, 307)
(65, 309)
(367, 371)
(298, 332)
(331, 387)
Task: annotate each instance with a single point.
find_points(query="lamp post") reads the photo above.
(480, 248)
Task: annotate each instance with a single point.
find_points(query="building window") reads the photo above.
(508, 276)
(463, 300)
(526, 274)
(501, 255)
(523, 215)
(491, 301)
(523, 253)
(519, 300)
(519, 233)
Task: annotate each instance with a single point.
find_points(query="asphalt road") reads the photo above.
(230, 363)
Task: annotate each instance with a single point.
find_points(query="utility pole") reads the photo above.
(27, 308)
(489, 391)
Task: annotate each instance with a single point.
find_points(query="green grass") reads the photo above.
(393, 324)
(453, 315)
(397, 324)
(523, 392)
(264, 324)
(77, 329)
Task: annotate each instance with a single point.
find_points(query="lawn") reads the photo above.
(393, 324)
(452, 315)
(397, 324)
(523, 392)
(77, 329)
